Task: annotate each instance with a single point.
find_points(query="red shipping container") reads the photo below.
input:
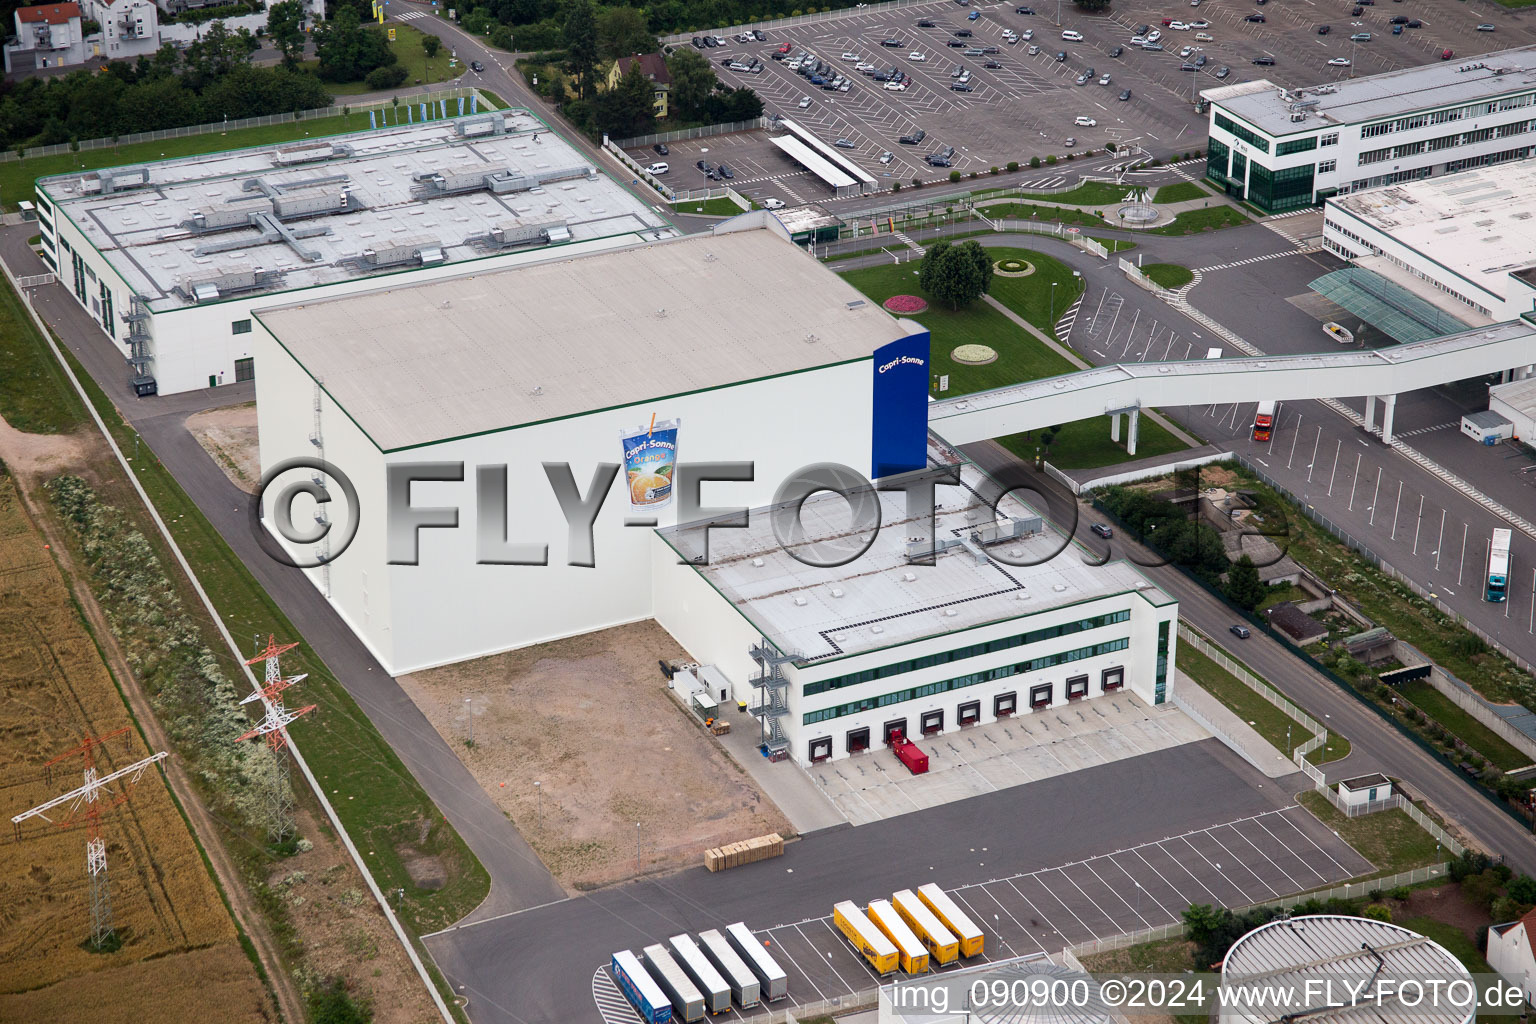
(915, 760)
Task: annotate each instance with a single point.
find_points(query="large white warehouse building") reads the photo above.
(1281, 149)
(730, 347)
(170, 258)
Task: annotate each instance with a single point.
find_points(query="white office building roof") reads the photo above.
(1269, 107)
(562, 337)
(1479, 224)
(880, 599)
(346, 207)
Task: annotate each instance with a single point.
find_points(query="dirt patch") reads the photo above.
(427, 870)
(563, 714)
(42, 455)
(229, 436)
(344, 932)
(1444, 903)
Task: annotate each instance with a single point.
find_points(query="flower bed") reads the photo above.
(905, 304)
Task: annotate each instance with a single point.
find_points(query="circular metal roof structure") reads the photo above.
(1384, 962)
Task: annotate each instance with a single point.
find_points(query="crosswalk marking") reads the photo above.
(902, 237)
(409, 16)
(1064, 325)
(1453, 425)
(1257, 259)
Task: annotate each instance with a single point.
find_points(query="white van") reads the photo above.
(1072, 36)
(657, 168)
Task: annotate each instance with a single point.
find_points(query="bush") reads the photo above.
(1050, 161)
(1034, 161)
(954, 175)
(1110, 146)
(1377, 912)
(1013, 165)
(895, 186)
(386, 77)
(1071, 156)
(917, 182)
(1402, 892)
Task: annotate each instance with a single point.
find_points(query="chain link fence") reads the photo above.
(223, 126)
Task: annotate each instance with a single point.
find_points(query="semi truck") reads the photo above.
(641, 989)
(943, 947)
(687, 1001)
(911, 955)
(955, 919)
(772, 981)
(1264, 421)
(745, 988)
(717, 994)
(1498, 566)
(870, 941)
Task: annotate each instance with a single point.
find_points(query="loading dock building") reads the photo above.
(170, 258)
(1282, 149)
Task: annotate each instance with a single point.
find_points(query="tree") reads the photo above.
(581, 44)
(285, 24)
(431, 44)
(1201, 921)
(955, 274)
(626, 109)
(1377, 912)
(348, 49)
(218, 52)
(622, 32)
(692, 82)
(1243, 584)
(1522, 889)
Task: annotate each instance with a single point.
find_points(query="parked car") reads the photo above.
(1125, 94)
(917, 58)
(1201, 60)
(1186, 51)
(1072, 36)
(1138, 40)
(913, 138)
(850, 57)
(1152, 46)
(1257, 19)
(1103, 79)
(1399, 19)
(1486, 27)
(1084, 121)
(698, 43)
(1201, 23)
(1447, 54)
(1323, 30)
(1034, 49)
(1153, 36)
(1178, 26)
(975, 51)
(1069, 142)
(963, 33)
(887, 157)
(957, 43)
(894, 44)
(1029, 34)
(1397, 30)
(1141, 30)
(805, 101)
(1115, 51)
(1356, 11)
(726, 172)
(760, 35)
(1188, 66)
(1082, 79)
(1241, 632)
(773, 204)
(973, 16)
(1360, 37)
(661, 149)
(1024, 10)
(1102, 529)
(936, 160)
(1415, 23)
(961, 87)
(658, 168)
(702, 165)
(845, 144)
(925, 23)
(709, 41)
(1223, 71)
(1268, 62)
(1204, 37)
(992, 64)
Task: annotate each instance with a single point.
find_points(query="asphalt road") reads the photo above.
(1375, 744)
(537, 966)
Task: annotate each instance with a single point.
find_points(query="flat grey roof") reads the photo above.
(880, 599)
(1353, 101)
(1517, 394)
(145, 228)
(471, 354)
(1366, 781)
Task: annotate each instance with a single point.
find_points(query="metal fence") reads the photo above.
(222, 126)
(641, 174)
(35, 281)
(1309, 724)
(702, 132)
(802, 19)
(725, 192)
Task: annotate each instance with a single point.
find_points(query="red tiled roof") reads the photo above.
(652, 66)
(53, 14)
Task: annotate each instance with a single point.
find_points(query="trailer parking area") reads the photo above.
(1247, 860)
(873, 785)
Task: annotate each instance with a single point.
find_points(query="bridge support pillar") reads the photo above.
(1389, 406)
(1370, 413)
(1114, 426)
(1131, 431)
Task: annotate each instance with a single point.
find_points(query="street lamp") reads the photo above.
(1053, 302)
(538, 788)
(470, 711)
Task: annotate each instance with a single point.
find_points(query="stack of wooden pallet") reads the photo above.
(734, 855)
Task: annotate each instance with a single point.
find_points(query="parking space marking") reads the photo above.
(1237, 834)
(1226, 853)
(1118, 895)
(837, 938)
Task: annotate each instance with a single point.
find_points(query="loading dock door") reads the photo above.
(895, 725)
(1040, 696)
(1005, 704)
(858, 740)
(1077, 687)
(968, 713)
(932, 722)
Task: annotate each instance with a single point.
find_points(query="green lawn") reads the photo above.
(1390, 840)
(495, 101)
(721, 207)
(1182, 192)
(1089, 193)
(1466, 728)
(1046, 214)
(34, 394)
(1114, 245)
(1030, 297)
(1267, 720)
(1085, 444)
(1191, 221)
(1020, 356)
(16, 177)
(1453, 939)
(1169, 275)
(418, 70)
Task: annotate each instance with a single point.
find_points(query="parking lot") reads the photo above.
(1029, 105)
(1243, 861)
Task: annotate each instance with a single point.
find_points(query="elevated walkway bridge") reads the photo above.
(1127, 388)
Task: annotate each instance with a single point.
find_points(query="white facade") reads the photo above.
(1282, 149)
(47, 36)
(1512, 953)
(129, 28)
(1365, 789)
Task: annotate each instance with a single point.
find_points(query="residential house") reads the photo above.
(1512, 952)
(654, 67)
(47, 36)
(129, 28)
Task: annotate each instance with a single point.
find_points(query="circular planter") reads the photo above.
(905, 304)
(1013, 268)
(974, 355)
